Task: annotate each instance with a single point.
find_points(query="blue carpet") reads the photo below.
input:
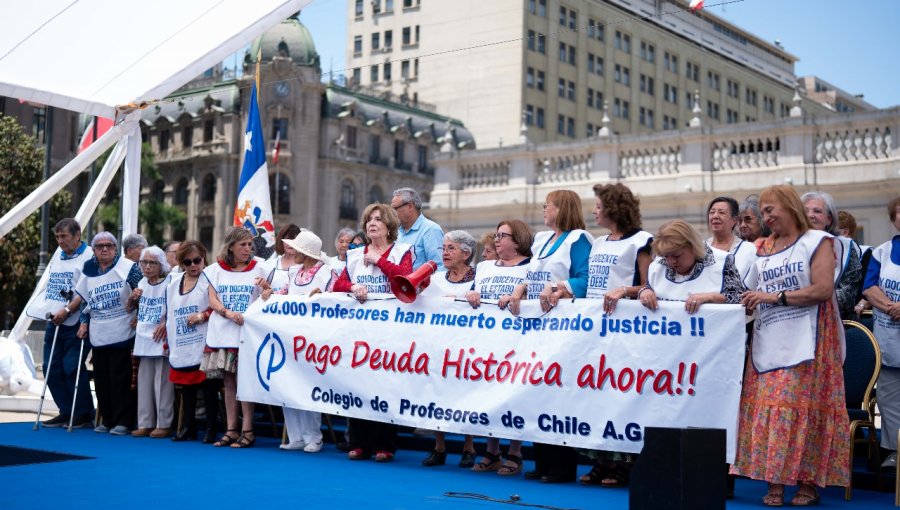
(136, 473)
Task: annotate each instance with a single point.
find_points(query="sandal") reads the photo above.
(243, 441)
(806, 495)
(775, 496)
(490, 462)
(384, 456)
(617, 476)
(596, 475)
(226, 439)
(511, 466)
(357, 454)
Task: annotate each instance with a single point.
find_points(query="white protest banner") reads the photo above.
(573, 376)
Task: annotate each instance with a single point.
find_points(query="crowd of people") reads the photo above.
(167, 321)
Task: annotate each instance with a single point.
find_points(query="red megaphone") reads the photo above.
(407, 288)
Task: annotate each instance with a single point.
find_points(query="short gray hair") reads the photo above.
(104, 236)
(133, 241)
(346, 231)
(465, 241)
(829, 208)
(157, 253)
(751, 205)
(409, 196)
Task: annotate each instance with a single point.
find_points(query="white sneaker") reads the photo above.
(890, 462)
(293, 445)
(119, 430)
(101, 429)
(313, 447)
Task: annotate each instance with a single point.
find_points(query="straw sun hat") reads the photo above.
(307, 243)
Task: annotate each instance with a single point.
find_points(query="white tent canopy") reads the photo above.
(111, 58)
(92, 56)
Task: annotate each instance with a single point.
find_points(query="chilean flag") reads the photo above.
(103, 125)
(696, 5)
(277, 149)
(254, 208)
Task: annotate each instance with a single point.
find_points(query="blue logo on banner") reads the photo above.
(276, 357)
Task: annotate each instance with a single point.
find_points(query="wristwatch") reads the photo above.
(782, 298)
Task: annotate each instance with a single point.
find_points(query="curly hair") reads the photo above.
(388, 217)
(620, 206)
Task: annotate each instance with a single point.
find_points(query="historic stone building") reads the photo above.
(339, 150)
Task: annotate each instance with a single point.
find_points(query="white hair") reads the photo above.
(465, 241)
(157, 253)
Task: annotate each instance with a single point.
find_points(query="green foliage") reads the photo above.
(21, 171)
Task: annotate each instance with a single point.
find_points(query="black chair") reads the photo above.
(867, 319)
(861, 368)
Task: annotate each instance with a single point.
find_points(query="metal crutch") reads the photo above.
(77, 378)
(37, 419)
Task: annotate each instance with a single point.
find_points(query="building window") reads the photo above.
(358, 9)
(589, 132)
(712, 110)
(648, 52)
(561, 124)
(529, 77)
(348, 202)
(280, 193)
(567, 53)
(670, 62)
(750, 96)
(646, 117)
(712, 80)
(596, 30)
(595, 64)
(404, 69)
(422, 156)
(357, 45)
(570, 127)
(692, 71)
(164, 140)
(573, 19)
(622, 42)
(667, 122)
(388, 39)
(373, 73)
(376, 40)
(622, 75)
(590, 97)
(279, 128)
(785, 111)
(570, 91)
(670, 93)
(733, 88)
(351, 137)
(39, 124)
(621, 108)
(374, 149)
(388, 5)
(181, 192)
(529, 115)
(768, 104)
(647, 85)
(561, 88)
(387, 71)
(208, 130)
(539, 118)
(540, 80)
(731, 116)
(187, 137)
(416, 40)
(532, 6)
(376, 6)
(356, 78)
(399, 153)
(562, 16)
(537, 42)
(208, 188)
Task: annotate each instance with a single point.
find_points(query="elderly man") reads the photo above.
(425, 236)
(106, 283)
(55, 304)
(132, 246)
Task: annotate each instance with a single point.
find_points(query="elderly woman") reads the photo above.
(369, 270)
(187, 314)
(308, 277)
(618, 266)
(722, 218)
(234, 283)
(156, 394)
(284, 258)
(106, 283)
(488, 252)
(341, 245)
(456, 280)
(496, 280)
(822, 215)
(793, 415)
(881, 290)
(751, 225)
(559, 269)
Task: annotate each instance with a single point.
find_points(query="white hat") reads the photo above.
(307, 243)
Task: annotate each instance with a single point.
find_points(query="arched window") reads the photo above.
(280, 193)
(208, 189)
(376, 195)
(181, 192)
(348, 201)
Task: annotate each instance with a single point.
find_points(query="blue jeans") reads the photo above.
(63, 370)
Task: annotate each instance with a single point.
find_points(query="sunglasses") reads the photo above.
(192, 262)
(104, 246)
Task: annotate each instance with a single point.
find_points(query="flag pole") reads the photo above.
(258, 59)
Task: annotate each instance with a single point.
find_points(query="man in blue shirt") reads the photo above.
(425, 236)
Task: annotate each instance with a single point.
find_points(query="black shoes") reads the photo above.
(57, 422)
(467, 460)
(210, 436)
(185, 434)
(436, 458)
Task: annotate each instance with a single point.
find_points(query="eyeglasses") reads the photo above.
(104, 246)
(397, 208)
(500, 235)
(192, 262)
(149, 263)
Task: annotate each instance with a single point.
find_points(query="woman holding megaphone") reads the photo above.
(369, 270)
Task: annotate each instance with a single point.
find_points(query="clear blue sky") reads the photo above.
(853, 44)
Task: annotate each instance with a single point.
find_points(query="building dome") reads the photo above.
(290, 38)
